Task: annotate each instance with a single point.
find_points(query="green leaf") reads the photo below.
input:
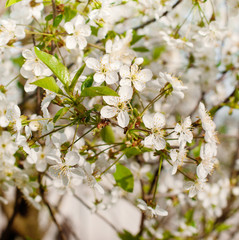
(57, 20)
(135, 38)
(60, 113)
(76, 77)
(107, 134)
(134, 151)
(98, 91)
(140, 49)
(55, 65)
(11, 2)
(128, 236)
(124, 178)
(49, 17)
(88, 82)
(48, 83)
(223, 227)
(69, 13)
(158, 51)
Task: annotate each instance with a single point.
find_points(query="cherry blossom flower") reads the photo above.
(149, 211)
(105, 69)
(177, 85)
(178, 157)
(78, 30)
(184, 131)
(155, 123)
(34, 64)
(65, 168)
(10, 31)
(208, 161)
(118, 106)
(195, 187)
(133, 75)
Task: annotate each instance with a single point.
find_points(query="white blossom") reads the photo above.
(77, 30)
(155, 124)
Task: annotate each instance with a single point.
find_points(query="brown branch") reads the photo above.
(154, 19)
(7, 231)
(44, 200)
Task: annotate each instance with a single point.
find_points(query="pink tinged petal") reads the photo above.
(147, 120)
(71, 42)
(139, 85)
(159, 143)
(108, 112)
(123, 119)
(69, 27)
(125, 93)
(159, 120)
(81, 42)
(201, 172)
(72, 158)
(99, 77)
(111, 77)
(145, 75)
(125, 71)
(93, 63)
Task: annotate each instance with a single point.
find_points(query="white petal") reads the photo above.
(111, 77)
(201, 172)
(81, 42)
(123, 119)
(159, 143)
(69, 27)
(92, 63)
(125, 93)
(139, 85)
(147, 120)
(124, 71)
(113, 101)
(108, 112)
(72, 158)
(28, 54)
(99, 77)
(159, 120)
(145, 75)
(71, 42)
